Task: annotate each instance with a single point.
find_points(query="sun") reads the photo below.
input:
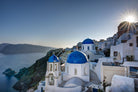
(130, 18)
(128, 15)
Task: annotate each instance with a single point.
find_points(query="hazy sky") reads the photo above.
(60, 23)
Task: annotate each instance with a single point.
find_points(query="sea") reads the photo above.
(15, 62)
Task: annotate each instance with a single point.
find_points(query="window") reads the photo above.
(83, 47)
(130, 58)
(129, 37)
(137, 41)
(130, 44)
(50, 67)
(115, 53)
(42, 89)
(75, 71)
(88, 47)
(51, 79)
(55, 67)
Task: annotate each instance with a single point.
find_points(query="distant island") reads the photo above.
(7, 48)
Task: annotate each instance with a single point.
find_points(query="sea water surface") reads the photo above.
(16, 62)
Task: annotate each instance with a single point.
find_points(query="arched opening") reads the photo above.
(88, 56)
(55, 67)
(51, 79)
(51, 67)
(88, 48)
(47, 66)
(85, 70)
(75, 71)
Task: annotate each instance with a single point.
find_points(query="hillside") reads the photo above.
(22, 48)
(30, 77)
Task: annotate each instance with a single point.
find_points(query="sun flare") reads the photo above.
(129, 15)
(130, 18)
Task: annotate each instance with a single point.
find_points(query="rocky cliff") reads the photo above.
(30, 77)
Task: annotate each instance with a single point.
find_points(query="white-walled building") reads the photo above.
(41, 87)
(126, 50)
(121, 84)
(105, 44)
(77, 65)
(124, 37)
(53, 73)
(88, 47)
(75, 77)
(81, 74)
(106, 68)
(126, 53)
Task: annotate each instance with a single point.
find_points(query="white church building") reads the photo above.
(77, 65)
(88, 47)
(75, 76)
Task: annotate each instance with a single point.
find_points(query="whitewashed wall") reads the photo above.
(82, 71)
(124, 49)
(60, 89)
(91, 47)
(98, 67)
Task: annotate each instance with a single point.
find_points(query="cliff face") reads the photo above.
(22, 48)
(30, 77)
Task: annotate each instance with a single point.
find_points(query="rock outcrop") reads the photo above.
(9, 72)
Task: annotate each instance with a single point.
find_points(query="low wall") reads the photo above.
(110, 71)
(60, 89)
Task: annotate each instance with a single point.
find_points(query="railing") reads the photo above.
(134, 74)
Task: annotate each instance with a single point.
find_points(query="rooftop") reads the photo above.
(88, 41)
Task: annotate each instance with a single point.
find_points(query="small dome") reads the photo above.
(88, 41)
(77, 57)
(53, 58)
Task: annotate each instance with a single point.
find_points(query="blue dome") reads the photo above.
(53, 58)
(77, 57)
(88, 41)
